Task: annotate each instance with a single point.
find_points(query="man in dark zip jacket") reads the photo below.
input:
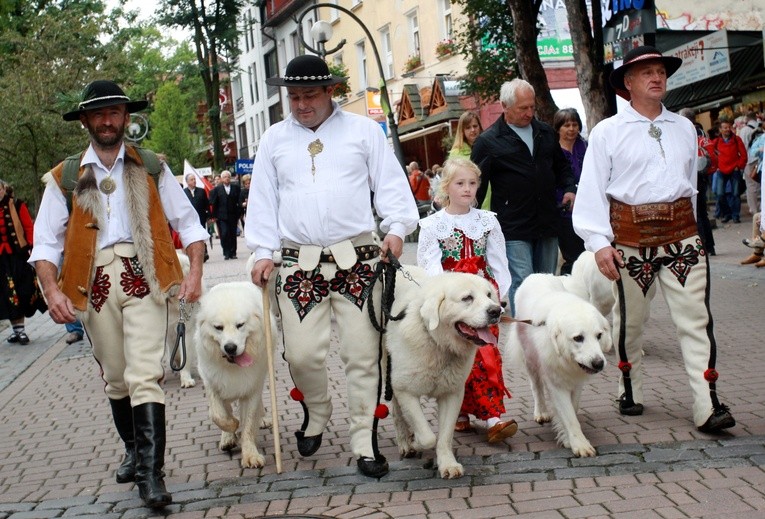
(521, 159)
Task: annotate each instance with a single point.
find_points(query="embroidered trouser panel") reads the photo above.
(126, 327)
(682, 271)
(308, 301)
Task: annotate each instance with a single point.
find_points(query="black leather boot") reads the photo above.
(149, 425)
(123, 419)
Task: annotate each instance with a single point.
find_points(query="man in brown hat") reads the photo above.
(635, 211)
(310, 199)
(104, 218)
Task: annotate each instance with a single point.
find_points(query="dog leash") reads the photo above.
(397, 265)
(180, 340)
(508, 319)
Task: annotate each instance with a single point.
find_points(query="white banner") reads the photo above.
(702, 59)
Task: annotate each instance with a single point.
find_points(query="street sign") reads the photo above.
(244, 166)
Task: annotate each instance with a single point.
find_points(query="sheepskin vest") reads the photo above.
(151, 233)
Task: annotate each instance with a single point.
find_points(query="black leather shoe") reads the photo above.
(373, 467)
(629, 408)
(720, 419)
(307, 445)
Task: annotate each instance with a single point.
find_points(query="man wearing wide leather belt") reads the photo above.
(310, 198)
(635, 211)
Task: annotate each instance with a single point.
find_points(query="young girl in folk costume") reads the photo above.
(462, 238)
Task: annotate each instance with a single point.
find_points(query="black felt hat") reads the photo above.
(100, 94)
(306, 71)
(639, 55)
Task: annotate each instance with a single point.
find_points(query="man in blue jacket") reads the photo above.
(521, 159)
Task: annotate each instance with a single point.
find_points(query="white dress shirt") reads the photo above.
(52, 218)
(331, 204)
(474, 224)
(623, 162)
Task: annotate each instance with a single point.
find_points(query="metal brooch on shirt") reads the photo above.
(107, 186)
(655, 133)
(314, 148)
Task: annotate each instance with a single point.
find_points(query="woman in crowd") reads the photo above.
(20, 295)
(468, 129)
(568, 124)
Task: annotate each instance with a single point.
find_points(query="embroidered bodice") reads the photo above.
(446, 239)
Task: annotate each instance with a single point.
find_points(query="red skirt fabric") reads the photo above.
(485, 388)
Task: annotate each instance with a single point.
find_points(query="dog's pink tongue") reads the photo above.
(486, 336)
(243, 360)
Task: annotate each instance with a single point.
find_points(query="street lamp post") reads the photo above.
(322, 32)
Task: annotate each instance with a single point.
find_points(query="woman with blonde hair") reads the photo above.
(468, 129)
(461, 238)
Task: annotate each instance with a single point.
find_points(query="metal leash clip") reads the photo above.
(393, 260)
(180, 339)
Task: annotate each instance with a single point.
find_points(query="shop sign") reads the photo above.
(702, 59)
(374, 107)
(625, 19)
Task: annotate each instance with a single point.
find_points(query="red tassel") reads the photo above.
(381, 412)
(625, 367)
(296, 395)
(711, 375)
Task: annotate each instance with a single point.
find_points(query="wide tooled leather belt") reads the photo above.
(652, 225)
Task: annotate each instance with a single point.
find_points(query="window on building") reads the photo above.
(275, 113)
(297, 45)
(246, 36)
(281, 50)
(254, 81)
(361, 55)
(251, 29)
(334, 14)
(445, 8)
(271, 69)
(414, 34)
(386, 52)
(244, 151)
(251, 81)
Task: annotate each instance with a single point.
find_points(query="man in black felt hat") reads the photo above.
(310, 199)
(635, 210)
(104, 219)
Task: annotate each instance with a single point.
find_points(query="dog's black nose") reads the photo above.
(598, 364)
(494, 312)
(230, 348)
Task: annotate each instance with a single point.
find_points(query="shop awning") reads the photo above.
(746, 74)
(424, 131)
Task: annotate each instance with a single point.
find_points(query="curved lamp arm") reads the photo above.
(383, 87)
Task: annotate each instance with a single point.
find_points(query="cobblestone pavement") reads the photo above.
(59, 449)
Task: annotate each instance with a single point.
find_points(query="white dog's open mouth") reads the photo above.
(588, 369)
(479, 336)
(242, 360)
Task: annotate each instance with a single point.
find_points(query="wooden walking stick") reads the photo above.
(272, 378)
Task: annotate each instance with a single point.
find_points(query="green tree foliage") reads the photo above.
(215, 34)
(170, 124)
(55, 51)
(487, 45)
